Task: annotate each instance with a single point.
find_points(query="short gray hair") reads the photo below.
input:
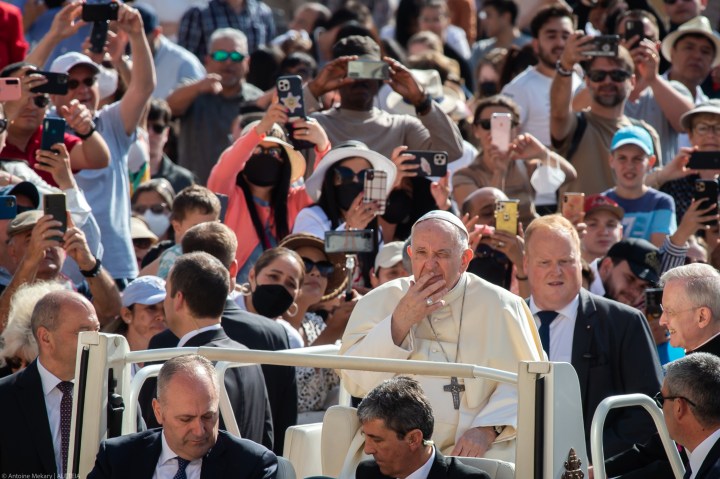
(701, 283)
(192, 365)
(47, 310)
(232, 33)
(17, 338)
(696, 377)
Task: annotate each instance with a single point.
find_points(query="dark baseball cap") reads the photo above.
(360, 45)
(24, 188)
(149, 17)
(642, 256)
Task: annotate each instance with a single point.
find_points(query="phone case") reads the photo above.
(53, 133)
(289, 90)
(99, 12)
(634, 28)
(98, 36)
(430, 163)
(10, 89)
(605, 46)
(704, 160)
(506, 216)
(706, 191)
(376, 189)
(54, 204)
(368, 70)
(56, 84)
(500, 125)
(573, 205)
(653, 302)
(349, 241)
(8, 207)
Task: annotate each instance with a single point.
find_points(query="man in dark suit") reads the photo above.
(608, 343)
(197, 287)
(189, 443)
(36, 402)
(397, 421)
(691, 312)
(691, 407)
(248, 329)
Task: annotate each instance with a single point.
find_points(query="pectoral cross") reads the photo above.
(455, 389)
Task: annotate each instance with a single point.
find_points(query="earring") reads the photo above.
(296, 310)
(245, 289)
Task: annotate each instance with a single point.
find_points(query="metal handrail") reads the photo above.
(613, 402)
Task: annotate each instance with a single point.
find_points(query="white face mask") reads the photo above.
(546, 179)
(158, 222)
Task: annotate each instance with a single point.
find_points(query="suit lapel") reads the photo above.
(708, 465)
(32, 403)
(151, 449)
(213, 465)
(582, 340)
(439, 467)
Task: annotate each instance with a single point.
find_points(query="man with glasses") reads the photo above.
(208, 107)
(87, 150)
(117, 124)
(584, 138)
(158, 127)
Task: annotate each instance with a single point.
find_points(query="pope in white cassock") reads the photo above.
(444, 314)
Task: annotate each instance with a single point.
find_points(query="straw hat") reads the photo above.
(338, 279)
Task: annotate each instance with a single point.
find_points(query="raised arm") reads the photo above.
(562, 119)
(65, 24)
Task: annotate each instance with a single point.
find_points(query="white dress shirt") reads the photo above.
(53, 396)
(562, 330)
(424, 470)
(195, 332)
(700, 453)
(167, 465)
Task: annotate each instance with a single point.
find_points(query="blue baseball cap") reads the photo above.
(144, 290)
(633, 135)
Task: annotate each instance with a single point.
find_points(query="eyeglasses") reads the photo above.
(222, 55)
(325, 268)
(486, 124)
(157, 208)
(41, 101)
(660, 399)
(347, 175)
(88, 82)
(274, 151)
(3, 124)
(158, 128)
(618, 75)
(142, 243)
(670, 312)
(673, 2)
(703, 129)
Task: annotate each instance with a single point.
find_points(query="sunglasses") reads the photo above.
(660, 399)
(158, 128)
(486, 124)
(3, 125)
(673, 2)
(157, 208)
(325, 268)
(88, 82)
(274, 151)
(41, 101)
(615, 75)
(222, 55)
(346, 175)
(142, 243)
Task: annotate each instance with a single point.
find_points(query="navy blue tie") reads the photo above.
(546, 317)
(688, 472)
(182, 464)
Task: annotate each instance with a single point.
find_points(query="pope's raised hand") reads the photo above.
(423, 298)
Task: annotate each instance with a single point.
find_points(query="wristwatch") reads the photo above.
(561, 71)
(94, 272)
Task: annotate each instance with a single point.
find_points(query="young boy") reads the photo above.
(649, 213)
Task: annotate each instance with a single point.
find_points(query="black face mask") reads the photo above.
(271, 300)
(263, 170)
(488, 88)
(346, 194)
(399, 205)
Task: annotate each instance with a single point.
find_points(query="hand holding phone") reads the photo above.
(100, 12)
(53, 133)
(57, 83)
(430, 163)
(349, 241)
(506, 216)
(8, 207)
(375, 189)
(573, 206)
(10, 89)
(368, 70)
(54, 204)
(500, 126)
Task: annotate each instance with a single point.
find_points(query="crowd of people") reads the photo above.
(502, 181)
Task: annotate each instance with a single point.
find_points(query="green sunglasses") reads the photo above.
(222, 55)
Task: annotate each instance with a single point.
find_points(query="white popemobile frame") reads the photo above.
(550, 420)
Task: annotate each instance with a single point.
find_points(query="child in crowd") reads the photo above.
(649, 213)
